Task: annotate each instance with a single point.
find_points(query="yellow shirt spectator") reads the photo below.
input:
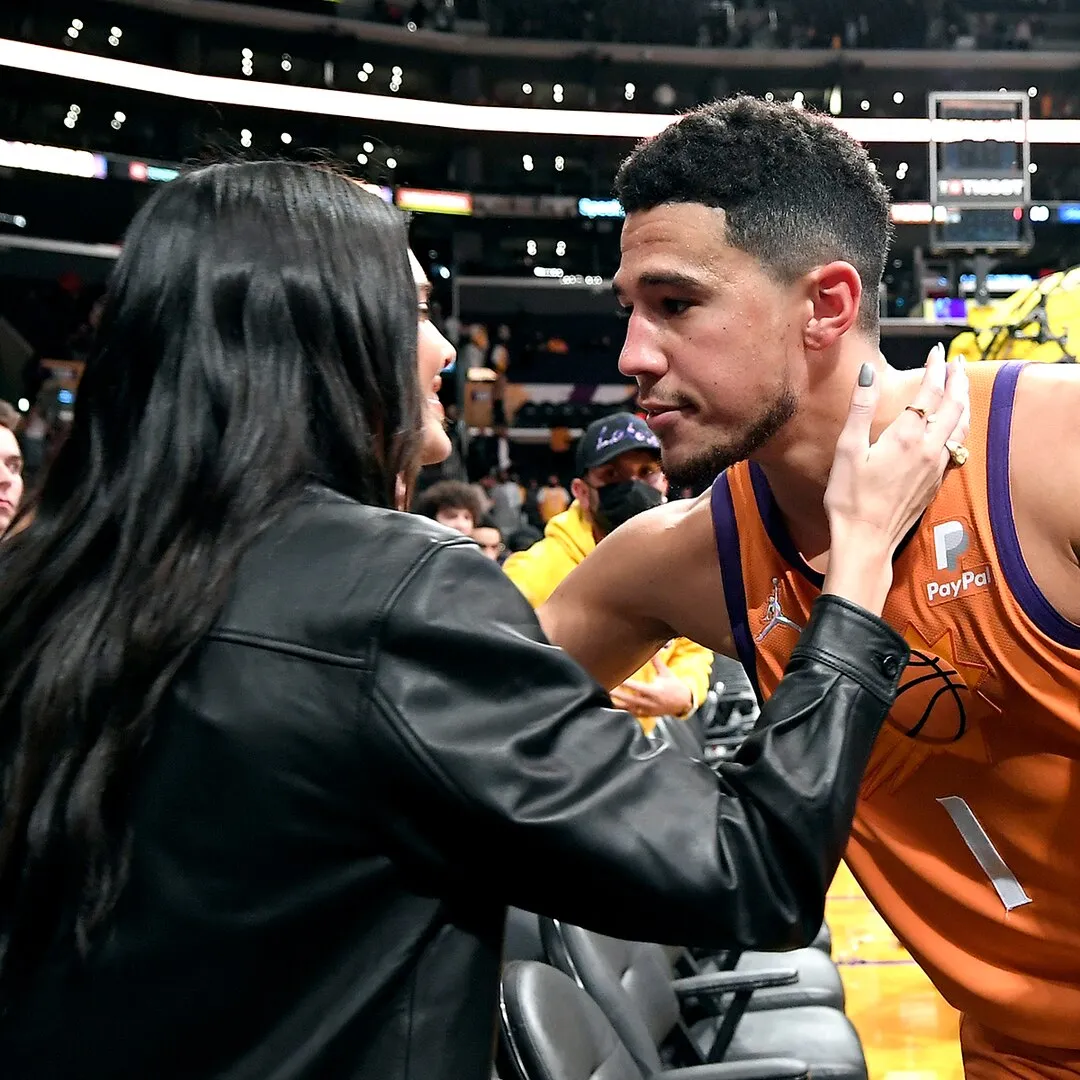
(678, 676)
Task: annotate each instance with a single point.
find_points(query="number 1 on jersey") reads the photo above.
(1009, 890)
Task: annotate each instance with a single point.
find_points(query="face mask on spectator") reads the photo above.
(619, 502)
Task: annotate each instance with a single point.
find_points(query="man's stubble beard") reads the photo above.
(701, 469)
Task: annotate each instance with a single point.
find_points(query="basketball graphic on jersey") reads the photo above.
(932, 700)
(938, 701)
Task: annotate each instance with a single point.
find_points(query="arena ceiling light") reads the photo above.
(58, 160)
(435, 202)
(108, 71)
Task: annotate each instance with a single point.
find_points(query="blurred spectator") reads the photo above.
(552, 499)
(34, 437)
(473, 353)
(487, 535)
(523, 539)
(11, 464)
(531, 506)
(451, 503)
(506, 500)
(485, 488)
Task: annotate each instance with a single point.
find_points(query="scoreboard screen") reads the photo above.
(980, 184)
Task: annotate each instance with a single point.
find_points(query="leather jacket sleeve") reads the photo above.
(500, 769)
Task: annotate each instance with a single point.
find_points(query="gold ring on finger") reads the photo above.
(919, 412)
(958, 453)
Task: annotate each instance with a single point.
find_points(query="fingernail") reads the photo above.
(866, 375)
(940, 349)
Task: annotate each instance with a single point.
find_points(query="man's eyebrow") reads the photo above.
(664, 279)
(671, 279)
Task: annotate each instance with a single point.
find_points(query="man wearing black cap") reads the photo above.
(618, 476)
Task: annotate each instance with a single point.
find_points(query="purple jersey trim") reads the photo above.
(726, 532)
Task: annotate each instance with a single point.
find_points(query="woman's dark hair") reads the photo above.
(259, 336)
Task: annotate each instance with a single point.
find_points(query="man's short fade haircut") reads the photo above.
(796, 191)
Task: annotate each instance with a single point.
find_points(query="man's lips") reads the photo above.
(657, 409)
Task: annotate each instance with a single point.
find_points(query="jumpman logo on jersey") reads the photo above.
(774, 615)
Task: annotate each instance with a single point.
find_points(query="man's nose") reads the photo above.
(640, 354)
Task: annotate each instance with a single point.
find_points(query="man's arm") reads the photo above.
(655, 578)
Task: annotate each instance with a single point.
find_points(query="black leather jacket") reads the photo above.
(371, 756)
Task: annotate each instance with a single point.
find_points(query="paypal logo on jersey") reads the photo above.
(936, 591)
(950, 542)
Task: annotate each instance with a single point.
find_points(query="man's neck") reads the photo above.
(797, 463)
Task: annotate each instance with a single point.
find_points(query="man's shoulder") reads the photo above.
(660, 569)
(672, 522)
(673, 537)
(1043, 419)
(1044, 465)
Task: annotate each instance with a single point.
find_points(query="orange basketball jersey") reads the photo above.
(967, 834)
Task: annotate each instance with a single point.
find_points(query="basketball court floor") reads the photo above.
(908, 1031)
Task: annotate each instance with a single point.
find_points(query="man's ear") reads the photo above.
(580, 490)
(835, 294)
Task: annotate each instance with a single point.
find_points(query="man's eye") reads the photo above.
(675, 307)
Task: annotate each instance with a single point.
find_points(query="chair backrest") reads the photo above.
(553, 1030)
(629, 980)
(522, 936)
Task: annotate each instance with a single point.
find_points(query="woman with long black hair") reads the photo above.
(276, 756)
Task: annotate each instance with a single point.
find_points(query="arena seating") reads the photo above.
(618, 1009)
(553, 1030)
(687, 1021)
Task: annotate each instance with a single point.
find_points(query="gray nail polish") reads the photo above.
(866, 375)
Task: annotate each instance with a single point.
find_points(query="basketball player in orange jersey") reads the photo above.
(752, 250)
